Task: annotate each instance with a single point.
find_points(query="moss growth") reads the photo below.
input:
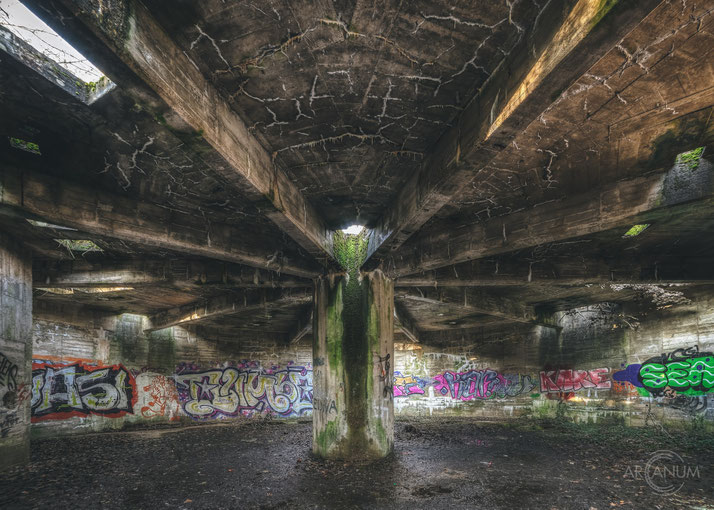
(602, 10)
(327, 437)
(691, 159)
(24, 145)
(636, 230)
(350, 250)
(82, 245)
(335, 329)
(381, 435)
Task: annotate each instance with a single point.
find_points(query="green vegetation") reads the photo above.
(335, 329)
(19, 143)
(691, 159)
(609, 433)
(327, 437)
(636, 230)
(602, 10)
(350, 250)
(81, 245)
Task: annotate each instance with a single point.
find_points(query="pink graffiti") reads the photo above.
(481, 384)
(555, 381)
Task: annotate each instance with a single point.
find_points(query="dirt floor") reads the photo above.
(455, 463)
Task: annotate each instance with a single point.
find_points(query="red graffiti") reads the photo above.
(164, 399)
(557, 381)
(23, 393)
(626, 389)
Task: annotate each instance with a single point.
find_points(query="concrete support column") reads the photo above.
(15, 352)
(353, 355)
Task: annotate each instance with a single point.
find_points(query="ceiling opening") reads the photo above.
(636, 230)
(24, 145)
(84, 290)
(43, 224)
(52, 56)
(80, 245)
(353, 230)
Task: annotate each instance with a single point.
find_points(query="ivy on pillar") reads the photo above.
(353, 352)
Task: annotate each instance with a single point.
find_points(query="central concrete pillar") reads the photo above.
(353, 356)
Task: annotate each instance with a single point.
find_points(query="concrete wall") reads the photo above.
(589, 371)
(15, 351)
(98, 372)
(116, 376)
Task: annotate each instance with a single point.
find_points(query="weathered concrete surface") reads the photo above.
(191, 374)
(588, 368)
(459, 464)
(353, 352)
(15, 351)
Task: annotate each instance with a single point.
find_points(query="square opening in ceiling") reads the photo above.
(24, 145)
(30, 40)
(44, 224)
(80, 245)
(636, 230)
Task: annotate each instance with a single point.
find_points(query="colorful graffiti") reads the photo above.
(61, 391)
(235, 391)
(680, 372)
(684, 371)
(405, 385)
(570, 381)
(161, 398)
(481, 384)
(8, 373)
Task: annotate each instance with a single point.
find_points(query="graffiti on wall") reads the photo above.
(682, 371)
(159, 397)
(384, 367)
(685, 371)
(570, 381)
(8, 373)
(235, 391)
(405, 385)
(60, 391)
(680, 379)
(481, 384)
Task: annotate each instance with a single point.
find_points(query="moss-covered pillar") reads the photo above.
(15, 352)
(353, 354)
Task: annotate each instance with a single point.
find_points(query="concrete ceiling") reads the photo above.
(498, 151)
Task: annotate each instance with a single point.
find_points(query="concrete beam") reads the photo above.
(577, 269)
(473, 300)
(95, 212)
(223, 305)
(150, 272)
(406, 323)
(520, 90)
(141, 44)
(645, 199)
(302, 326)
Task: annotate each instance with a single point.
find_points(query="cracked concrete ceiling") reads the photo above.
(498, 146)
(348, 96)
